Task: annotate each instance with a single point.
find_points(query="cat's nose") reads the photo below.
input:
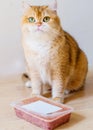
(38, 24)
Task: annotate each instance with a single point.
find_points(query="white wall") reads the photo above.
(76, 17)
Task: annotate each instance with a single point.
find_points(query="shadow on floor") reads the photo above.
(75, 119)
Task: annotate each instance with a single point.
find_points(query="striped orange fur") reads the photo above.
(53, 56)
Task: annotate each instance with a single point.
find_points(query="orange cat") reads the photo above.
(53, 56)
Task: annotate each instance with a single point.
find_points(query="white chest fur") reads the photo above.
(41, 61)
(39, 45)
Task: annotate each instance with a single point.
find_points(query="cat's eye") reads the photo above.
(46, 19)
(31, 19)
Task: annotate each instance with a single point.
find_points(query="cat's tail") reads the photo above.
(26, 79)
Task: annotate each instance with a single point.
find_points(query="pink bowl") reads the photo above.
(45, 121)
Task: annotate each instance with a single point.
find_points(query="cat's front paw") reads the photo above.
(35, 94)
(58, 99)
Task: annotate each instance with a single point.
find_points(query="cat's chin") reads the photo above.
(36, 31)
(39, 30)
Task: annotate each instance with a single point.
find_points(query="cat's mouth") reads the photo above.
(39, 30)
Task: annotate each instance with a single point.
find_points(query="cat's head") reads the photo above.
(41, 19)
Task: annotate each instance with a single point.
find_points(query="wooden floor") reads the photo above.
(14, 90)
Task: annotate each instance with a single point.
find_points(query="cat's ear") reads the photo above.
(53, 5)
(25, 5)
